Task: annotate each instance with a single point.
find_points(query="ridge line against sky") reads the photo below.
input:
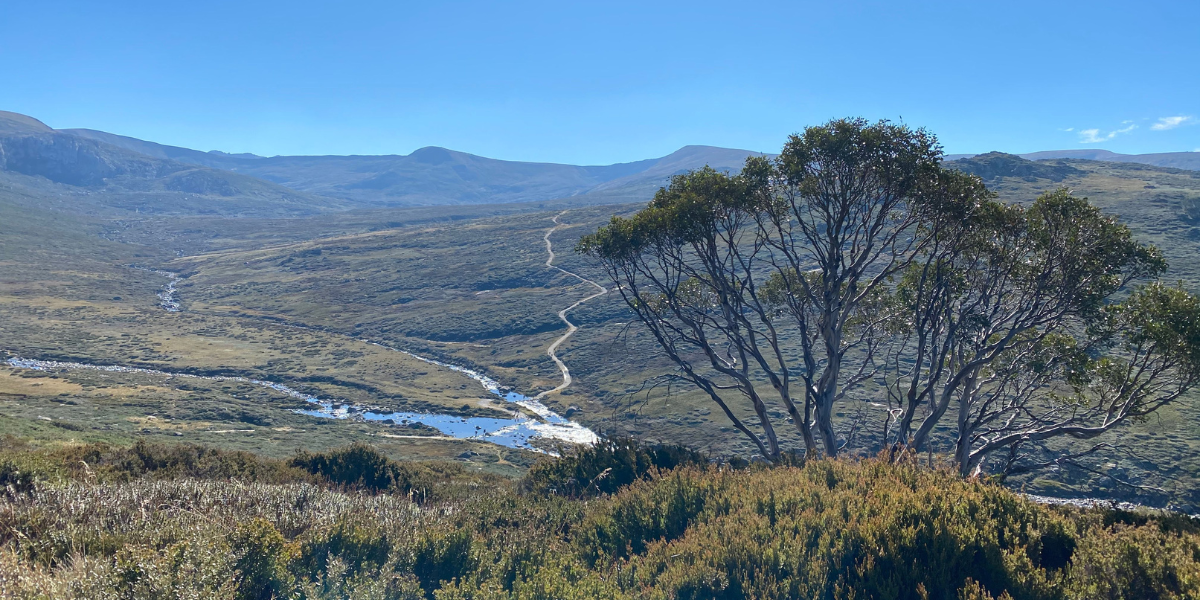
(604, 83)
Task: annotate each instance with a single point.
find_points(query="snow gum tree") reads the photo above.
(854, 266)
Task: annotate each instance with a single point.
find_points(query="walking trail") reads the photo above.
(562, 314)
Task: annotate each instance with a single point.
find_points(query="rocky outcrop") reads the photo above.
(998, 164)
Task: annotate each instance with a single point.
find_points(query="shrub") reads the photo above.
(262, 558)
(15, 479)
(828, 530)
(440, 557)
(338, 584)
(358, 466)
(661, 511)
(168, 461)
(971, 591)
(606, 467)
(357, 544)
(184, 569)
(362, 467)
(1127, 562)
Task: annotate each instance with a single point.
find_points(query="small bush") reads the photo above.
(1126, 562)
(358, 467)
(169, 461)
(441, 557)
(606, 467)
(362, 467)
(15, 479)
(262, 559)
(358, 544)
(337, 583)
(661, 511)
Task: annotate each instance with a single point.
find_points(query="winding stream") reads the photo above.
(516, 432)
(519, 431)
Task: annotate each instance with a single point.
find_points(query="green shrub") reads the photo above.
(155, 460)
(606, 467)
(337, 583)
(358, 544)
(828, 530)
(16, 480)
(180, 570)
(262, 559)
(1127, 562)
(170, 461)
(661, 511)
(362, 467)
(356, 467)
(554, 577)
(441, 557)
(972, 590)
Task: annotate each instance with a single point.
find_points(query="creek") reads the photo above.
(519, 431)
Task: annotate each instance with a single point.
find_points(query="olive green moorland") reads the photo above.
(148, 485)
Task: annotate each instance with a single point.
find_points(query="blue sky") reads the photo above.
(604, 82)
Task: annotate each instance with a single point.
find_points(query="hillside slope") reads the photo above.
(66, 171)
(215, 159)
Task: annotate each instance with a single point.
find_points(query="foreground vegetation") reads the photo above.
(185, 522)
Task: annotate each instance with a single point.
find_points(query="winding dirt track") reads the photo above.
(562, 314)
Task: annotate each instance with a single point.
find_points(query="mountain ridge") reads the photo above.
(425, 177)
(424, 174)
(1174, 160)
(124, 167)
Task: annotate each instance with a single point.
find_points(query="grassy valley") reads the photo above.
(294, 298)
(321, 304)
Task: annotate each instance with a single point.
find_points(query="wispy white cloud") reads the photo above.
(1165, 123)
(1095, 136)
(1068, 130)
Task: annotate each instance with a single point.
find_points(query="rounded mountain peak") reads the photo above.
(431, 155)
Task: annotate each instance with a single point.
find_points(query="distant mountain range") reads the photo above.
(432, 175)
(1173, 160)
(105, 172)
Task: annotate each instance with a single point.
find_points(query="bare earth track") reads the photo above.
(562, 314)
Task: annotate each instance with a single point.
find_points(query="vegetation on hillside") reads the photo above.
(822, 530)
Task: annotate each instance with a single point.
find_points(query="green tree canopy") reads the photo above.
(854, 265)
